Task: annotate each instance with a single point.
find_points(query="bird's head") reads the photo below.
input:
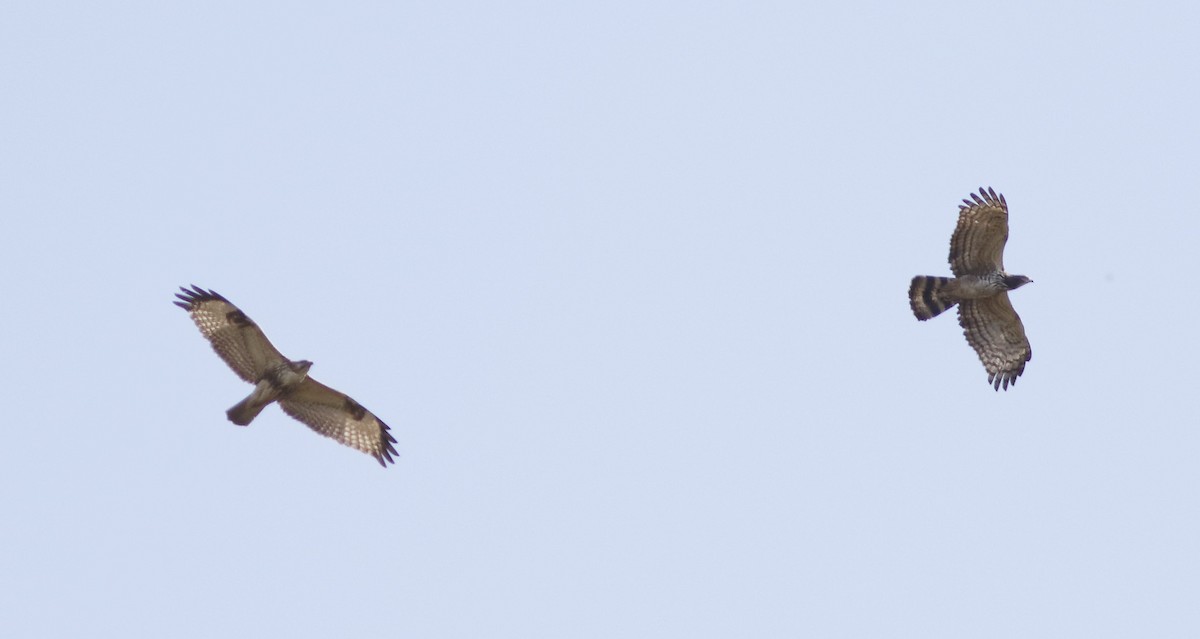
(301, 366)
(1016, 281)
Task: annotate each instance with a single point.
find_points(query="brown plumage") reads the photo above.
(244, 347)
(980, 289)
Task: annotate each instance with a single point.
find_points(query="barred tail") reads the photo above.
(928, 296)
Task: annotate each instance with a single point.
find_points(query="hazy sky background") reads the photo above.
(628, 281)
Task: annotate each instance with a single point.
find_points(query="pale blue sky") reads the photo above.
(628, 282)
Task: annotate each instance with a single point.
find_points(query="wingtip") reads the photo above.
(196, 294)
(386, 451)
(1003, 380)
(986, 195)
(991, 196)
(384, 457)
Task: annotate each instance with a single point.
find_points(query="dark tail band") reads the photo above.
(928, 296)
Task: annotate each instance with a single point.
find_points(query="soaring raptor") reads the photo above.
(980, 289)
(244, 347)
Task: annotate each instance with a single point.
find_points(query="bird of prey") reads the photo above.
(980, 288)
(244, 347)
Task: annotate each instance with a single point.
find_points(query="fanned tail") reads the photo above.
(929, 296)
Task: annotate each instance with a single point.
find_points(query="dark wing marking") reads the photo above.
(994, 330)
(334, 414)
(235, 337)
(977, 246)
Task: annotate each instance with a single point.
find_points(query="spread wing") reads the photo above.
(335, 415)
(235, 337)
(977, 246)
(994, 330)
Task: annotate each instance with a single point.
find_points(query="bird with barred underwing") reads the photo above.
(244, 347)
(980, 289)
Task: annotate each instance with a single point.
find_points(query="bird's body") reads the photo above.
(244, 347)
(980, 289)
(279, 380)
